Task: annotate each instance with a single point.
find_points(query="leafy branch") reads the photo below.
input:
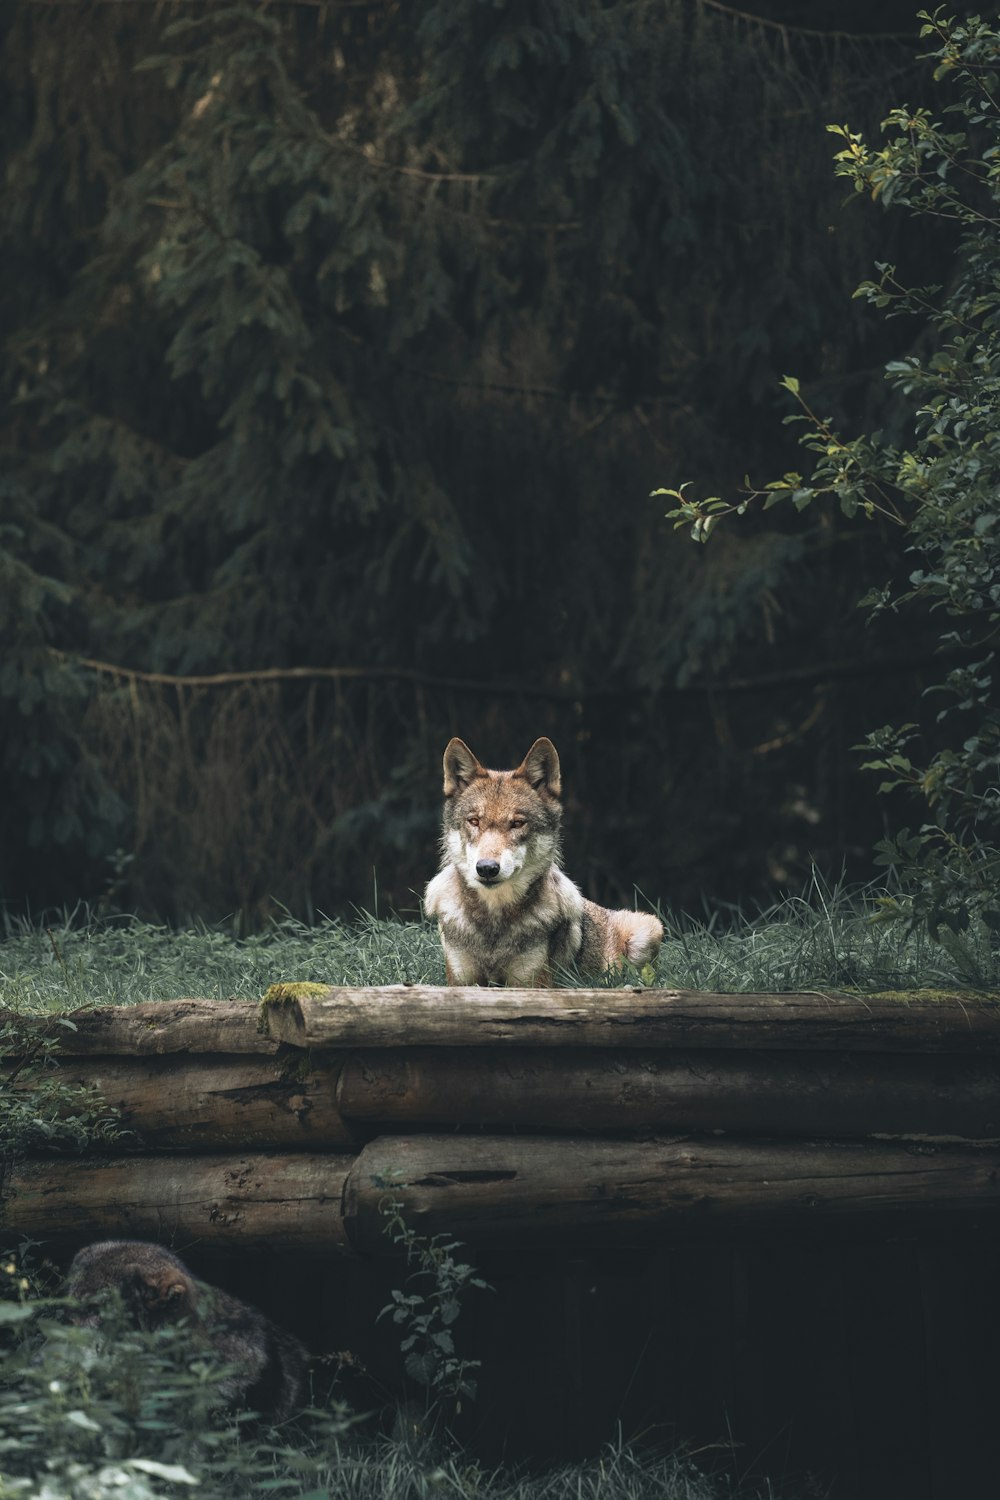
(941, 489)
(427, 1310)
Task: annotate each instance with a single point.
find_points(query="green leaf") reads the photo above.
(80, 1419)
(16, 1312)
(175, 1473)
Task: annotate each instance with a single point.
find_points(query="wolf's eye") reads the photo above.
(518, 822)
(472, 822)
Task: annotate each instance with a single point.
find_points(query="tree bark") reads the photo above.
(289, 1202)
(751, 1093)
(220, 1103)
(492, 1191)
(429, 1016)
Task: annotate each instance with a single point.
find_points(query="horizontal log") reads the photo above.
(294, 1202)
(432, 1016)
(752, 1093)
(318, 1100)
(492, 1191)
(218, 1103)
(154, 1027)
(425, 1015)
(487, 1191)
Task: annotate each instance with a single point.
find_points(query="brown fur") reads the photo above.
(157, 1288)
(506, 912)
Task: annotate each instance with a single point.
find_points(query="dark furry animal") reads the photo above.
(157, 1288)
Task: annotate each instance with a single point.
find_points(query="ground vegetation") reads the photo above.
(820, 941)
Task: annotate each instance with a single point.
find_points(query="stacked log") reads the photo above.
(518, 1116)
(404, 1015)
(822, 1094)
(292, 1200)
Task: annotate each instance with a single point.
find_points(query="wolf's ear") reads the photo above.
(460, 767)
(540, 768)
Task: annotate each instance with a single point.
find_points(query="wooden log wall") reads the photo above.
(519, 1117)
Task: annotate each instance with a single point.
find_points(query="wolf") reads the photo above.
(506, 912)
(156, 1288)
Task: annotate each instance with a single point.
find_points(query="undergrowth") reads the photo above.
(90, 1413)
(425, 1310)
(830, 939)
(37, 1109)
(120, 1413)
(833, 937)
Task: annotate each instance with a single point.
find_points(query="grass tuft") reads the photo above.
(832, 938)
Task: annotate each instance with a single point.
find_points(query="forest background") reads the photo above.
(344, 343)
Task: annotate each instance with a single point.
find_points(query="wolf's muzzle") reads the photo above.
(487, 869)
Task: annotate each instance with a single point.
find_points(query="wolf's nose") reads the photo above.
(487, 869)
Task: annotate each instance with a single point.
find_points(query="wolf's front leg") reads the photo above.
(451, 975)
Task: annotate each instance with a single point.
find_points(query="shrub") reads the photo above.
(940, 485)
(90, 1413)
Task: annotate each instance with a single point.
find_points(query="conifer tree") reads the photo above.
(336, 337)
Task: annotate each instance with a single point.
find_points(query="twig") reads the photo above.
(868, 666)
(788, 30)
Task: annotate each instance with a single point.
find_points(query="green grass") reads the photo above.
(390, 1470)
(828, 941)
(831, 940)
(120, 961)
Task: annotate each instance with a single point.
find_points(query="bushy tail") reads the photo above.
(643, 935)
